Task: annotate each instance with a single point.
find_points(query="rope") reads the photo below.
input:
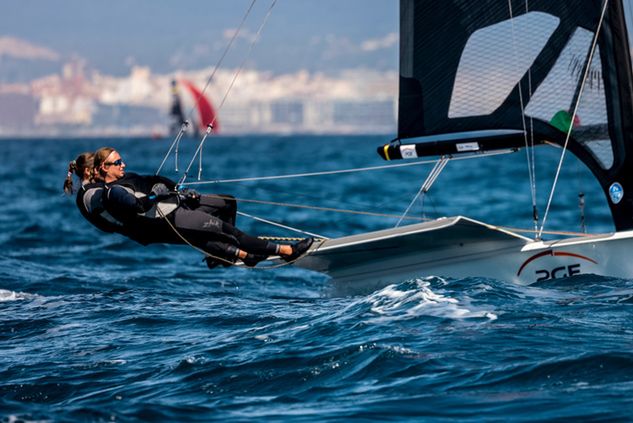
(573, 116)
(223, 260)
(215, 69)
(183, 127)
(507, 228)
(226, 94)
(330, 209)
(226, 50)
(321, 240)
(532, 158)
(337, 172)
(422, 219)
(290, 228)
(566, 233)
(525, 136)
(205, 253)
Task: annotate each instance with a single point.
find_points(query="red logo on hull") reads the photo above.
(553, 253)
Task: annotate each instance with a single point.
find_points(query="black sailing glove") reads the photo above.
(190, 197)
(159, 193)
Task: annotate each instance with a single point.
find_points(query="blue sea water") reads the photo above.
(94, 327)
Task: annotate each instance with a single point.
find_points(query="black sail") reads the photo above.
(489, 74)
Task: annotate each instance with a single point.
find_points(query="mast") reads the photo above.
(176, 113)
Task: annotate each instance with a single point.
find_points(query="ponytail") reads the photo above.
(83, 162)
(68, 183)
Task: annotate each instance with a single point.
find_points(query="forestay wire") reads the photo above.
(226, 94)
(529, 152)
(184, 126)
(573, 116)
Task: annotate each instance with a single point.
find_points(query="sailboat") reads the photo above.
(489, 76)
(206, 113)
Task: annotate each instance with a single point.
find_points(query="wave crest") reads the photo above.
(416, 298)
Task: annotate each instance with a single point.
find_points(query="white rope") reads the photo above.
(226, 94)
(573, 116)
(183, 127)
(525, 136)
(280, 225)
(226, 50)
(215, 69)
(199, 149)
(532, 158)
(321, 208)
(336, 172)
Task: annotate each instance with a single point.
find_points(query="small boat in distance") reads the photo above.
(206, 114)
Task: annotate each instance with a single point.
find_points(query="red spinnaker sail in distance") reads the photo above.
(206, 113)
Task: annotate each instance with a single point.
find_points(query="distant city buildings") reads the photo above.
(81, 103)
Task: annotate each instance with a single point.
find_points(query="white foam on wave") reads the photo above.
(6, 295)
(416, 298)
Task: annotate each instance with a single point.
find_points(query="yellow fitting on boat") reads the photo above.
(386, 150)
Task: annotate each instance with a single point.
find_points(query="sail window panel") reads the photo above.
(553, 100)
(495, 59)
(602, 150)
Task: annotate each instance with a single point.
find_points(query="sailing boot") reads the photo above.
(251, 260)
(212, 263)
(299, 249)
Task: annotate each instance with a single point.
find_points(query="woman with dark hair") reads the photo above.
(82, 166)
(151, 206)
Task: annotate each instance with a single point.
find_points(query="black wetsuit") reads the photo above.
(206, 224)
(89, 201)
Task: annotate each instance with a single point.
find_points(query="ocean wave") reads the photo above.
(419, 297)
(569, 373)
(7, 295)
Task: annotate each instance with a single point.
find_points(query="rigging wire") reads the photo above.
(532, 156)
(280, 225)
(226, 94)
(573, 116)
(224, 260)
(328, 209)
(336, 172)
(420, 219)
(184, 126)
(525, 132)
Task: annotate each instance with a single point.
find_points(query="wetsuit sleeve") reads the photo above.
(122, 202)
(96, 220)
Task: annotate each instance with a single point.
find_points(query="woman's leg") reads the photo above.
(199, 227)
(202, 227)
(250, 243)
(220, 205)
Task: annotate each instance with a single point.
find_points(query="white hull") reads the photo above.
(459, 247)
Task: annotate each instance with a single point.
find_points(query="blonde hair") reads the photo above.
(100, 157)
(78, 166)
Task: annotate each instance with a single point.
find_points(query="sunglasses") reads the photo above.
(118, 162)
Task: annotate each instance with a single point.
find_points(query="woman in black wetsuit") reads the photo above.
(150, 204)
(89, 195)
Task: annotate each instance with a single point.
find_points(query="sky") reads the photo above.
(315, 35)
